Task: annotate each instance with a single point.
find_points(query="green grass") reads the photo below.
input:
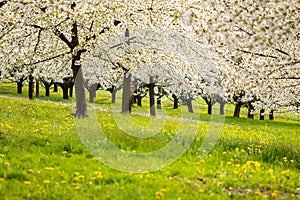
(42, 155)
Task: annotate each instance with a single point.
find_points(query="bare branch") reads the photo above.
(258, 54)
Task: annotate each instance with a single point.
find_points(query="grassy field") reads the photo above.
(42, 155)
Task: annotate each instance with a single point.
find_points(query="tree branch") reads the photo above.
(47, 59)
(258, 54)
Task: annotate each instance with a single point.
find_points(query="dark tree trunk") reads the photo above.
(209, 108)
(152, 97)
(126, 94)
(55, 89)
(37, 87)
(47, 88)
(30, 87)
(65, 92)
(71, 91)
(139, 100)
(113, 95)
(250, 111)
(175, 101)
(92, 92)
(271, 115)
(222, 108)
(189, 105)
(237, 109)
(261, 114)
(20, 85)
(158, 105)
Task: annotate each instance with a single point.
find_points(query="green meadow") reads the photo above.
(43, 154)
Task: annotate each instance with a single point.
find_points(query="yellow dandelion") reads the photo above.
(63, 182)
(292, 161)
(1, 180)
(230, 188)
(77, 188)
(257, 164)
(202, 161)
(274, 193)
(237, 165)
(243, 151)
(158, 193)
(27, 182)
(228, 163)
(49, 168)
(6, 164)
(1, 155)
(224, 153)
(235, 172)
(76, 179)
(211, 194)
(93, 178)
(46, 181)
(76, 173)
(30, 171)
(237, 149)
(64, 152)
(201, 190)
(81, 176)
(163, 190)
(73, 184)
(257, 192)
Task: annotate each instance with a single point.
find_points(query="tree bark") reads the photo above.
(81, 105)
(71, 89)
(37, 87)
(47, 88)
(92, 92)
(250, 110)
(261, 114)
(152, 97)
(222, 108)
(113, 95)
(126, 94)
(139, 100)
(158, 104)
(175, 101)
(30, 87)
(271, 115)
(237, 109)
(55, 89)
(209, 108)
(65, 92)
(20, 86)
(189, 105)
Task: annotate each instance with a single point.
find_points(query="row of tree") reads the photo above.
(254, 48)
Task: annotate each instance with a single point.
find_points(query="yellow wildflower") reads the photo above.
(27, 182)
(46, 182)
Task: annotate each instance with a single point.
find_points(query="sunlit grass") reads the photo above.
(43, 157)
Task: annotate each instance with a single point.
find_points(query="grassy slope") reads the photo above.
(42, 157)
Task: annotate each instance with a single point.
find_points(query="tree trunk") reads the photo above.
(47, 88)
(55, 89)
(139, 100)
(271, 115)
(209, 108)
(126, 94)
(113, 95)
(189, 105)
(152, 97)
(175, 101)
(222, 108)
(30, 87)
(92, 92)
(158, 105)
(71, 89)
(261, 114)
(20, 85)
(81, 105)
(237, 109)
(250, 110)
(37, 87)
(65, 92)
